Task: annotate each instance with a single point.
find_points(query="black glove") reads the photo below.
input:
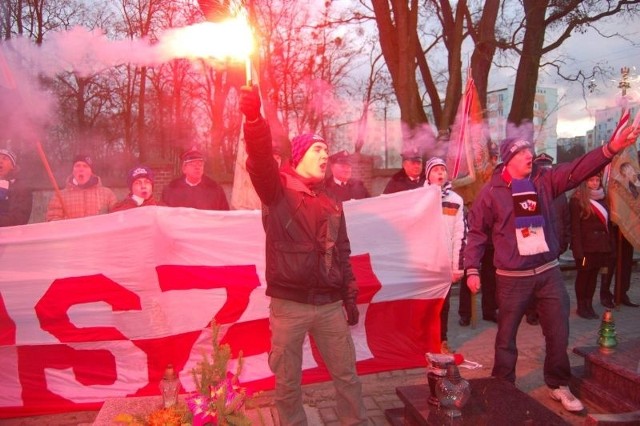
(353, 315)
(250, 102)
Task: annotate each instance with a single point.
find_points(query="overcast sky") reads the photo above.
(575, 112)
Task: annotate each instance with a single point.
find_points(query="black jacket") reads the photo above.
(401, 182)
(353, 190)
(207, 195)
(15, 207)
(589, 236)
(307, 248)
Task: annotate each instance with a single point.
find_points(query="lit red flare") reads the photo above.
(227, 40)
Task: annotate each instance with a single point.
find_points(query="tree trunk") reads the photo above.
(527, 74)
(485, 47)
(140, 128)
(399, 42)
(453, 28)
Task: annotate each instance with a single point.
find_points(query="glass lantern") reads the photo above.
(453, 392)
(169, 386)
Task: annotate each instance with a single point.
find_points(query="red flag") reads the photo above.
(468, 150)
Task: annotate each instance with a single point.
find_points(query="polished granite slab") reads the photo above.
(493, 402)
(609, 380)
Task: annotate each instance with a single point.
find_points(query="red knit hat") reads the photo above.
(300, 145)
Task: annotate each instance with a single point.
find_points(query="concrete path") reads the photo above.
(475, 344)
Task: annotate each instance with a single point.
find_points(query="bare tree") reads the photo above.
(544, 26)
(397, 23)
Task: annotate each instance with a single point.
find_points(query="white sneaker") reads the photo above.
(564, 395)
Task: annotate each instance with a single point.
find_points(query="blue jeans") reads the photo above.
(327, 324)
(513, 295)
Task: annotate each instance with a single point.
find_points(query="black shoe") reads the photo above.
(607, 302)
(490, 317)
(591, 312)
(464, 322)
(532, 320)
(627, 302)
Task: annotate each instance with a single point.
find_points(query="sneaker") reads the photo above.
(445, 349)
(564, 395)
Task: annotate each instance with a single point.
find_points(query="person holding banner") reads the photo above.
(410, 177)
(455, 231)
(15, 197)
(140, 182)
(194, 189)
(591, 241)
(515, 210)
(308, 272)
(84, 194)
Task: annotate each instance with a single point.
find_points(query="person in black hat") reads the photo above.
(340, 184)
(140, 182)
(83, 195)
(411, 176)
(15, 198)
(193, 188)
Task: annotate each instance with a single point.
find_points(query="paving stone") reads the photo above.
(328, 414)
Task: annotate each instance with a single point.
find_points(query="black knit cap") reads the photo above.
(84, 158)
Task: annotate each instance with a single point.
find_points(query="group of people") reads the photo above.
(84, 194)
(511, 238)
(312, 287)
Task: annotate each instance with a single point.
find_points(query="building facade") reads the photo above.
(607, 120)
(545, 117)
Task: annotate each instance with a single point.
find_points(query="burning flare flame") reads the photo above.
(231, 39)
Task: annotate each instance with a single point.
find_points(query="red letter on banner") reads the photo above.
(66, 292)
(239, 281)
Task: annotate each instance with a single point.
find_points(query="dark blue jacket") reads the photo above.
(15, 206)
(491, 215)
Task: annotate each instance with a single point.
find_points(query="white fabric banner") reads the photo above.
(96, 307)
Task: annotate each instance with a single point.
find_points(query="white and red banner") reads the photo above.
(97, 307)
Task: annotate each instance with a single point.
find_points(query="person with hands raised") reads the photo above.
(514, 211)
(309, 276)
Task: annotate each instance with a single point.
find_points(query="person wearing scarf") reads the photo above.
(83, 195)
(515, 212)
(455, 234)
(309, 276)
(591, 241)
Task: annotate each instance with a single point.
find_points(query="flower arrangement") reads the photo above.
(218, 399)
